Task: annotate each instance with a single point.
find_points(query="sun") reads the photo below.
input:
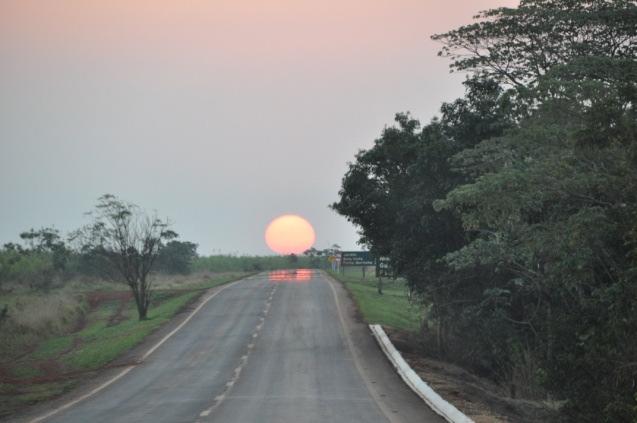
(289, 234)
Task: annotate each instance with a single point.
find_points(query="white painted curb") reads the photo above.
(411, 378)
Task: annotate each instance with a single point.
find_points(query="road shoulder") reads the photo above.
(398, 401)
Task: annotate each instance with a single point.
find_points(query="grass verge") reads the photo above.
(392, 308)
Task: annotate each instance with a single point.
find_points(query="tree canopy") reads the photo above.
(512, 215)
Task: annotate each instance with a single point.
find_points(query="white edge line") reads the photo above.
(350, 345)
(411, 378)
(129, 368)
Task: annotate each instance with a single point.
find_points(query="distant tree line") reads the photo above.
(513, 215)
(44, 265)
(122, 243)
(249, 263)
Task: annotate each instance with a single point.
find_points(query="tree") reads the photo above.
(130, 240)
(554, 206)
(177, 257)
(388, 192)
(552, 201)
(48, 241)
(519, 45)
(311, 252)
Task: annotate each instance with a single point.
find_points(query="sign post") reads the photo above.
(334, 261)
(383, 269)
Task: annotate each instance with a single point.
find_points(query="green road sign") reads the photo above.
(357, 258)
(383, 268)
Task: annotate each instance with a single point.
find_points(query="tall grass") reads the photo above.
(34, 316)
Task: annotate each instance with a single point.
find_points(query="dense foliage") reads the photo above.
(514, 213)
(177, 257)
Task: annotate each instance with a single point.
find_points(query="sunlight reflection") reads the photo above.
(298, 275)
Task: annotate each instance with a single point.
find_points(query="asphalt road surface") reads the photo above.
(274, 348)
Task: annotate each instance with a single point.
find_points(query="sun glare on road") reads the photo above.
(289, 234)
(299, 275)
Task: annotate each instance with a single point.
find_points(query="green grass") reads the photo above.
(392, 308)
(46, 390)
(103, 343)
(52, 347)
(25, 372)
(212, 281)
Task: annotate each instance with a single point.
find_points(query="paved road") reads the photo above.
(271, 348)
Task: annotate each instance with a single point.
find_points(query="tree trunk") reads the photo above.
(139, 293)
(142, 310)
(439, 335)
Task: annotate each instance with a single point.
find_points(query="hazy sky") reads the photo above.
(219, 114)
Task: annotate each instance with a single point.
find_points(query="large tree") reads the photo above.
(388, 193)
(130, 239)
(554, 204)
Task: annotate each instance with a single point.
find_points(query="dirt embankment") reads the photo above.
(479, 398)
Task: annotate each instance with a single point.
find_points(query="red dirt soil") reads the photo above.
(51, 369)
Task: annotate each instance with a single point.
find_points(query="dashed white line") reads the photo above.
(244, 359)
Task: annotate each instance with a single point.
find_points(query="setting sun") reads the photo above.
(289, 234)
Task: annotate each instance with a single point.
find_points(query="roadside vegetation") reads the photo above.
(512, 215)
(404, 319)
(392, 308)
(245, 263)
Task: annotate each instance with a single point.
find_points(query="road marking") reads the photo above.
(297, 397)
(237, 371)
(129, 368)
(350, 344)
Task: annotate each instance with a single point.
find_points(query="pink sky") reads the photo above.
(220, 114)
(272, 32)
